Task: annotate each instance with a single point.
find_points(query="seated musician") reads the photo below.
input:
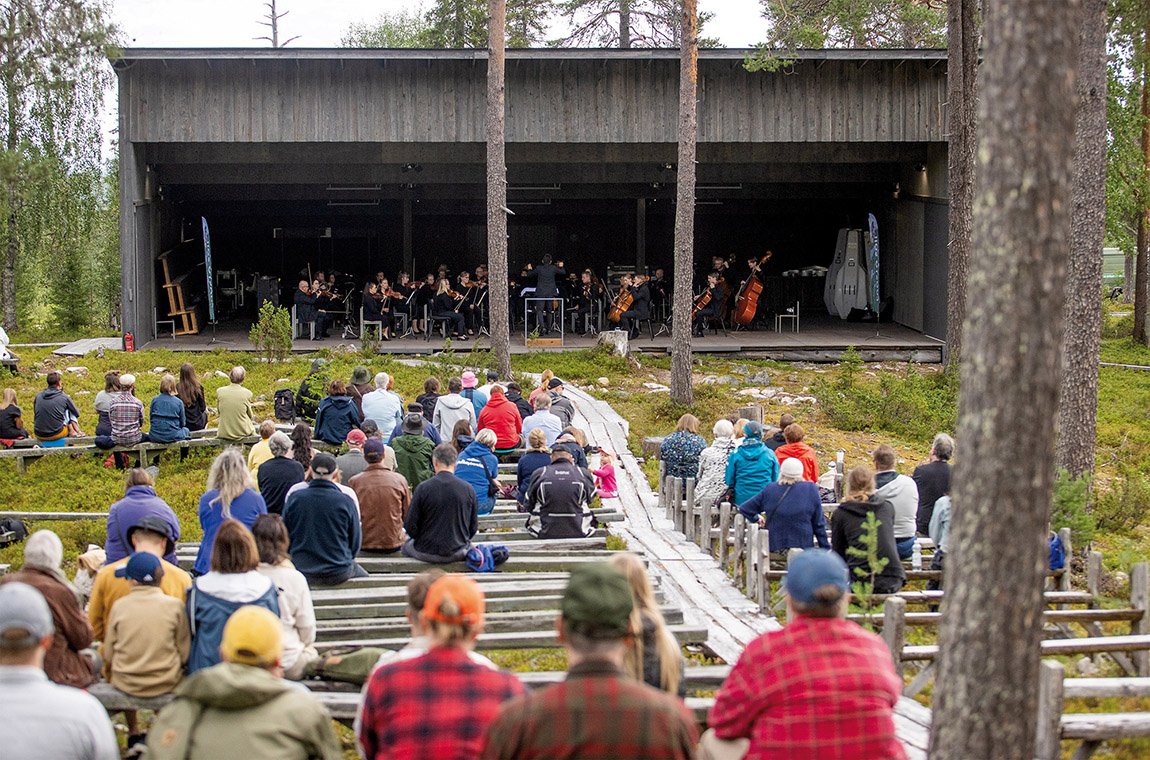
(467, 289)
(660, 290)
(322, 302)
(305, 308)
(640, 308)
(713, 296)
(406, 304)
(586, 299)
(386, 307)
(425, 297)
(444, 306)
(371, 306)
(482, 301)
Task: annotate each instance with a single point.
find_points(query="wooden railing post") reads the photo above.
(764, 550)
(663, 487)
(740, 547)
(752, 559)
(1093, 573)
(1048, 739)
(689, 510)
(1068, 551)
(705, 542)
(894, 629)
(676, 503)
(1140, 600)
(840, 476)
(724, 534)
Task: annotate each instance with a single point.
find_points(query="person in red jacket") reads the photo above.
(794, 448)
(502, 417)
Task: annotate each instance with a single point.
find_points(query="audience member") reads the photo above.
(605, 482)
(68, 660)
(544, 380)
(46, 721)
(741, 431)
(502, 418)
(230, 496)
(413, 450)
(791, 510)
(478, 400)
(492, 381)
(559, 500)
(902, 493)
(681, 449)
(234, 401)
(359, 387)
(54, 416)
(278, 474)
(820, 687)
(126, 415)
(427, 430)
(751, 465)
(103, 404)
(301, 448)
(352, 463)
(311, 389)
(444, 514)
(451, 409)
(515, 396)
(711, 479)
(848, 526)
(337, 415)
(297, 614)
(561, 406)
(233, 582)
(933, 479)
(940, 534)
(440, 704)
(778, 439)
(536, 457)
(794, 447)
(382, 406)
(461, 436)
(599, 711)
(242, 708)
(478, 467)
(167, 415)
(191, 394)
(384, 498)
(139, 500)
(568, 442)
(430, 397)
(543, 419)
(655, 656)
(261, 451)
(323, 523)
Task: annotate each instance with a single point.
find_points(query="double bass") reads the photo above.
(747, 300)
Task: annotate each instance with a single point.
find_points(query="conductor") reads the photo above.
(546, 277)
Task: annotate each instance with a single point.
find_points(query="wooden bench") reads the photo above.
(1092, 729)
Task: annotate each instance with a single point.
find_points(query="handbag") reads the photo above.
(349, 664)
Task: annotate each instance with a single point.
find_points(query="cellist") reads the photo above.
(708, 305)
(640, 308)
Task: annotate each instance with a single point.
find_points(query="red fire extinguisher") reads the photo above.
(129, 344)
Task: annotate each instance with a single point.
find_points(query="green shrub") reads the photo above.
(271, 334)
(1070, 508)
(1123, 507)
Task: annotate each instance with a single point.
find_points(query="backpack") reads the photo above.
(12, 531)
(483, 558)
(1057, 552)
(285, 405)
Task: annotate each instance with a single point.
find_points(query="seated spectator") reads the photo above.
(301, 448)
(561, 406)
(297, 614)
(902, 492)
(383, 407)
(278, 474)
(492, 381)
(191, 394)
(751, 465)
(168, 419)
(126, 414)
(461, 436)
(794, 447)
(233, 582)
(478, 400)
(789, 695)
(543, 419)
(478, 467)
(359, 386)
(741, 430)
(655, 657)
(569, 443)
(933, 479)
(444, 514)
(45, 720)
(681, 449)
(598, 711)
(537, 456)
(791, 510)
(605, 482)
(502, 418)
(311, 389)
(352, 463)
(384, 498)
(139, 501)
(323, 523)
(711, 479)
(515, 396)
(336, 416)
(413, 450)
(559, 500)
(440, 704)
(68, 661)
(452, 409)
(940, 534)
(430, 397)
(847, 527)
(778, 439)
(261, 451)
(242, 708)
(103, 404)
(234, 401)
(428, 430)
(230, 496)
(54, 416)
(544, 381)
(11, 423)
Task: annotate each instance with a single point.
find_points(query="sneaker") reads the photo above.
(136, 746)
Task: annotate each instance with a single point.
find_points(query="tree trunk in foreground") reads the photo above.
(1078, 412)
(681, 392)
(986, 688)
(498, 318)
(1143, 253)
(962, 120)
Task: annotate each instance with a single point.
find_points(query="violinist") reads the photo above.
(305, 308)
(386, 307)
(322, 302)
(707, 305)
(446, 305)
(425, 296)
(372, 301)
(405, 304)
(587, 298)
(660, 291)
(481, 303)
(468, 289)
(640, 308)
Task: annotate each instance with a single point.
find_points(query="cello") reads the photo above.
(747, 300)
(624, 300)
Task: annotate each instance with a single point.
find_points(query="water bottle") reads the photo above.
(916, 557)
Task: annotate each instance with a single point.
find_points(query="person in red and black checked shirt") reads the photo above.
(820, 688)
(438, 705)
(599, 711)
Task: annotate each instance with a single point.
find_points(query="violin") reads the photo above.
(747, 301)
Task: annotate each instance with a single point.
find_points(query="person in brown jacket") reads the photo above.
(383, 501)
(65, 662)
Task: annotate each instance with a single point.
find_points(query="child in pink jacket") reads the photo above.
(605, 475)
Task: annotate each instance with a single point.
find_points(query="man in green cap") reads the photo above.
(598, 711)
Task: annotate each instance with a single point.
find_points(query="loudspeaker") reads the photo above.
(268, 289)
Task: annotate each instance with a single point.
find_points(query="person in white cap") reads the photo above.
(791, 510)
(127, 414)
(55, 722)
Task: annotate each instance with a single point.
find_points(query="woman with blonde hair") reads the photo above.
(848, 524)
(536, 456)
(230, 495)
(544, 379)
(167, 414)
(655, 657)
(443, 306)
(740, 432)
(11, 423)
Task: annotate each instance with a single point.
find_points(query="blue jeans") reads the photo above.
(905, 547)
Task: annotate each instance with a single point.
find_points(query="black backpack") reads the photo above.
(285, 405)
(12, 531)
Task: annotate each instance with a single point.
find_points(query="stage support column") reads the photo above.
(640, 234)
(407, 254)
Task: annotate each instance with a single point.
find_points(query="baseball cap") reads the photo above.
(813, 569)
(154, 524)
(356, 437)
(252, 636)
(597, 602)
(23, 608)
(459, 589)
(323, 464)
(791, 468)
(412, 424)
(142, 567)
(554, 383)
(753, 428)
(127, 381)
(468, 379)
(492, 375)
(374, 446)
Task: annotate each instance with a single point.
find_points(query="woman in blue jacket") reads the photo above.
(168, 416)
(477, 466)
(139, 500)
(230, 496)
(337, 415)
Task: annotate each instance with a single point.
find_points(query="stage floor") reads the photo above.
(819, 338)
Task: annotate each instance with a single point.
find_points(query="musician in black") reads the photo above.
(587, 299)
(447, 306)
(425, 297)
(322, 302)
(713, 295)
(371, 306)
(546, 277)
(387, 307)
(305, 308)
(405, 305)
(640, 308)
(660, 288)
(468, 289)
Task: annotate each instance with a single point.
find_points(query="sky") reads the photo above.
(321, 23)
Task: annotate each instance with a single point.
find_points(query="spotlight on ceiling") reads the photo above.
(920, 167)
(412, 168)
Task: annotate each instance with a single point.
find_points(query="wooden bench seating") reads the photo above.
(1092, 729)
(535, 639)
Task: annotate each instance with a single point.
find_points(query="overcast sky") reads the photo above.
(321, 23)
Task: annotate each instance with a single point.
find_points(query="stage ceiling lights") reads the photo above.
(412, 168)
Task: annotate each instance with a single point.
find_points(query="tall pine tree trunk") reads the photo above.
(986, 689)
(1078, 410)
(962, 120)
(1128, 279)
(624, 24)
(497, 190)
(681, 392)
(1143, 254)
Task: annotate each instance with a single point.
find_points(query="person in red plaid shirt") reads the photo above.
(820, 688)
(599, 711)
(438, 705)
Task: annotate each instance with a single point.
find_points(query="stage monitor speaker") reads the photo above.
(268, 289)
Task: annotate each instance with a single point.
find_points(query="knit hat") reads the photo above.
(791, 467)
(468, 379)
(554, 383)
(459, 589)
(597, 602)
(318, 364)
(356, 437)
(23, 608)
(252, 636)
(492, 375)
(360, 376)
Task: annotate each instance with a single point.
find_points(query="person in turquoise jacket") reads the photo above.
(752, 465)
(169, 420)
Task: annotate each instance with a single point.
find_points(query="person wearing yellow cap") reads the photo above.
(438, 705)
(242, 707)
